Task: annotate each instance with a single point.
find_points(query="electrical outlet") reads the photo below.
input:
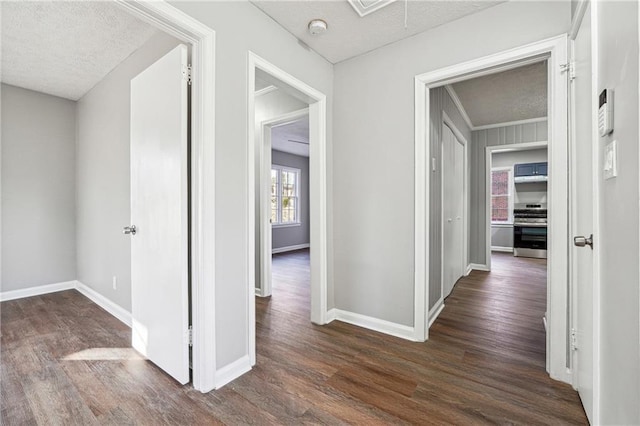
(115, 283)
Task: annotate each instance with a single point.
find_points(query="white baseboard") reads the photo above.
(468, 270)
(232, 371)
(106, 304)
(435, 311)
(290, 248)
(375, 324)
(502, 249)
(36, 291)
(479, 267)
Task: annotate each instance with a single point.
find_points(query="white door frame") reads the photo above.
(202, 40)
(488, 165)
(317, 192)
(555, 51)
(264, 155)
(447, 121)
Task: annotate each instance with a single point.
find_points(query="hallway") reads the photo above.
(64, 360)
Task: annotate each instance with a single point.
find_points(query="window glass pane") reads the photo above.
(289, 205)
(500, 182)
(288, 183)
(274, 210)
(274, 183)
(500, 208)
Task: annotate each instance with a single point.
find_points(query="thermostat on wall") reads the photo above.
(605, 112)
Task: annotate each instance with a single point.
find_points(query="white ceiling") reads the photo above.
(66, 48)
(350, 35)
(292, 137)
(513, 95)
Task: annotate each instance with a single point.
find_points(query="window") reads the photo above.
(502, 195)
(285, 196)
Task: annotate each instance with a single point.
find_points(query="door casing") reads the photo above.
(554, 50)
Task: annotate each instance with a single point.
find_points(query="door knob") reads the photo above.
(129, 230)
(583, 241)
(449, 220)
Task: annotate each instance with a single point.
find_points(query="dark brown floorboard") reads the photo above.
(66, 361)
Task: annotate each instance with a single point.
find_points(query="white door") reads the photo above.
(159, 201)
(452, 209)
(583, 176)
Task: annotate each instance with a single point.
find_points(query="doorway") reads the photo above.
(258, 222)
(554, 52)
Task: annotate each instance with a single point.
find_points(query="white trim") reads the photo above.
(317, 186)
(581, 8)
(267, 183)
(502, 249)
(387, 327)
(232, 371)
(468, 270)
(202, 40)
(510, 123)
(266, 90)
(446, 121)
(36, 291)
(258, 292)
(434, 313)
(456, 100)
(108, 305)
(488, 166)
(286, 225)
(290, 248)
(479, 267)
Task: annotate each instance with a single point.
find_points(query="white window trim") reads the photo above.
(298, 173)
(512, 194)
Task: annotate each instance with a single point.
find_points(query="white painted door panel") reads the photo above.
(159, 201)
(453, 210)
(583, 173)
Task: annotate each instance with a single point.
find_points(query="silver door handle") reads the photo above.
(129, 230)
(583, 241)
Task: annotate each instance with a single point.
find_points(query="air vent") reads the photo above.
(365, 7)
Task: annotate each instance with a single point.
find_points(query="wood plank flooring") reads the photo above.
(65, 361)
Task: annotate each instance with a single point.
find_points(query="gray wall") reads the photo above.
(481, 139)
(439, 101)
(294, 235)
(38, 189)
(620, 219)
(502, 235)
(240, 27)
(374, 148)
(103, 177)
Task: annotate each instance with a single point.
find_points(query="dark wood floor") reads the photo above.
(65, 361)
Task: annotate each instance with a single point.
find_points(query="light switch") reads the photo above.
(611, 160)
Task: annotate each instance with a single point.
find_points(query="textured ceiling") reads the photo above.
(292, 137)
(513, 95)
(350, 35)
(65, 48)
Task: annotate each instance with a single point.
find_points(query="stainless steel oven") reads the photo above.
(530, 231)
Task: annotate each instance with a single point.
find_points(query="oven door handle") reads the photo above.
(530, 225)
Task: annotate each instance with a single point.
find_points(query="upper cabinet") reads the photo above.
(530, 169)
(530, 172)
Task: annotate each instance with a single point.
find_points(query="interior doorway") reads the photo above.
(551, 53)
(266, 180)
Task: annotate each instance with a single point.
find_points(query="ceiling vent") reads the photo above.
(365, 7)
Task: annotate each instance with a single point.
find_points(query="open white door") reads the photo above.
(583, 217)
(159, 212)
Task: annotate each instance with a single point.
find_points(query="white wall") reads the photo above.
(38, 189)
(241, 27)
(374, 148)
(617, 68)
(103, 178)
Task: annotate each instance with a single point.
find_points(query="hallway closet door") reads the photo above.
(452, 209)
